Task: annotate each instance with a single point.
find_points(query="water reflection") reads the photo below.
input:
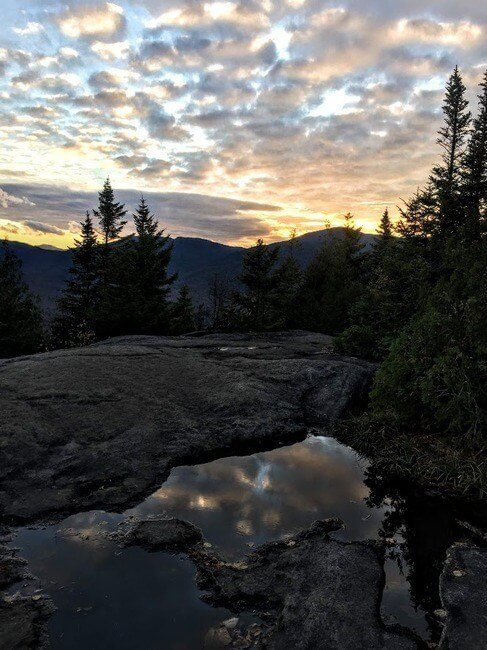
(237, 501)
(108, 598)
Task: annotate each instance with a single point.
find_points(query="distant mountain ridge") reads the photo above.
(195, 260)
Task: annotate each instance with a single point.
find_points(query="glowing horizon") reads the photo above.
(239, 119)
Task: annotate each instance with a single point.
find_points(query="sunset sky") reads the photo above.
(237, 119)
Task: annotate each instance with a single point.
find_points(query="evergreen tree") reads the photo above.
(21, 322)
(110, 213)
(475, 185)
(392, 281)
(446, 178)
(385, 234)
(76, 322)
(255, 301)
(143, 280)
(288, 278)
(220, 307)
(183, 313)
(333, 281)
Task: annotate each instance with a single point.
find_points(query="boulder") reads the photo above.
(311, 590)
(463, 594)
(168, 534)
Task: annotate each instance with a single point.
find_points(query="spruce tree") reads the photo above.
(288, 278)
(145, 280)
(76, 323)
(110, 213)
(258, 277)
(333, 281)
(21, 321)
(475, 185)
(446, 178)
(183, 313)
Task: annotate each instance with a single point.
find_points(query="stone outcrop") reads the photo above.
(463, 592)
(102, 426)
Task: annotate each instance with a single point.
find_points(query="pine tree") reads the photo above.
(384, 231)
(144, 279)
(110, 213)
(475, 185)
(21, 321)
(183, 313)
(446, 179)
(288, 278)
(76, 322)
(333, 281)
(258, 278)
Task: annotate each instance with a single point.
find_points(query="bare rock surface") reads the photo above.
(23, 621)
(168, 534)
(22, 618)
(313, 591)
(102, 426)
(464, 597)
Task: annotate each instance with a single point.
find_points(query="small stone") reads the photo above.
(440, 614)
(458, 574)
(231, 623)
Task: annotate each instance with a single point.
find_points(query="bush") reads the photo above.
(434, 379)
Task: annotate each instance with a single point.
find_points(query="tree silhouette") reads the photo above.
(77, 318)
(21, 322)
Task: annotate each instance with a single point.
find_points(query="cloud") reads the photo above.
(7, 200)
(29, 29)
(58, 211)
(111, 51)
(463, 33)
(104, 22)
(38, 226)
(315, 106)
(9, 228)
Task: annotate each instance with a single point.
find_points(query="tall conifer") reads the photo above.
(446, 178)
(76, 322)
(21, 322)
(146, 279)
(476, 167)
(110, 213)
(259, 282)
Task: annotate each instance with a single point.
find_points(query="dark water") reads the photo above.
(112, 598)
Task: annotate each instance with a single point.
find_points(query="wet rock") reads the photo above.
(162, 535)
(23, 620)
(102, 426)
(312, 591)
(217, 637)
(463, 591)
(12, 567)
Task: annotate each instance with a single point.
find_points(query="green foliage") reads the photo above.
(288, 278)
(75, 323)
(436, 375)
(21, 322)
(475, 163)
(140, 292)
(110, 213)
(358, 341)
(254, 303)
(394, 275)
(333, 282)
(183, 313)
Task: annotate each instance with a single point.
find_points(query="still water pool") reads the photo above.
(109, 598)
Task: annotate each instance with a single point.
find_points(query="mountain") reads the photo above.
(195, 260)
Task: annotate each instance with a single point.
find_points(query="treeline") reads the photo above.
(416, 301)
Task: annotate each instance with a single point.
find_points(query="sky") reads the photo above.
(236, 119)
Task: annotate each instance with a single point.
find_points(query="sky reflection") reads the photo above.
(113, 598)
